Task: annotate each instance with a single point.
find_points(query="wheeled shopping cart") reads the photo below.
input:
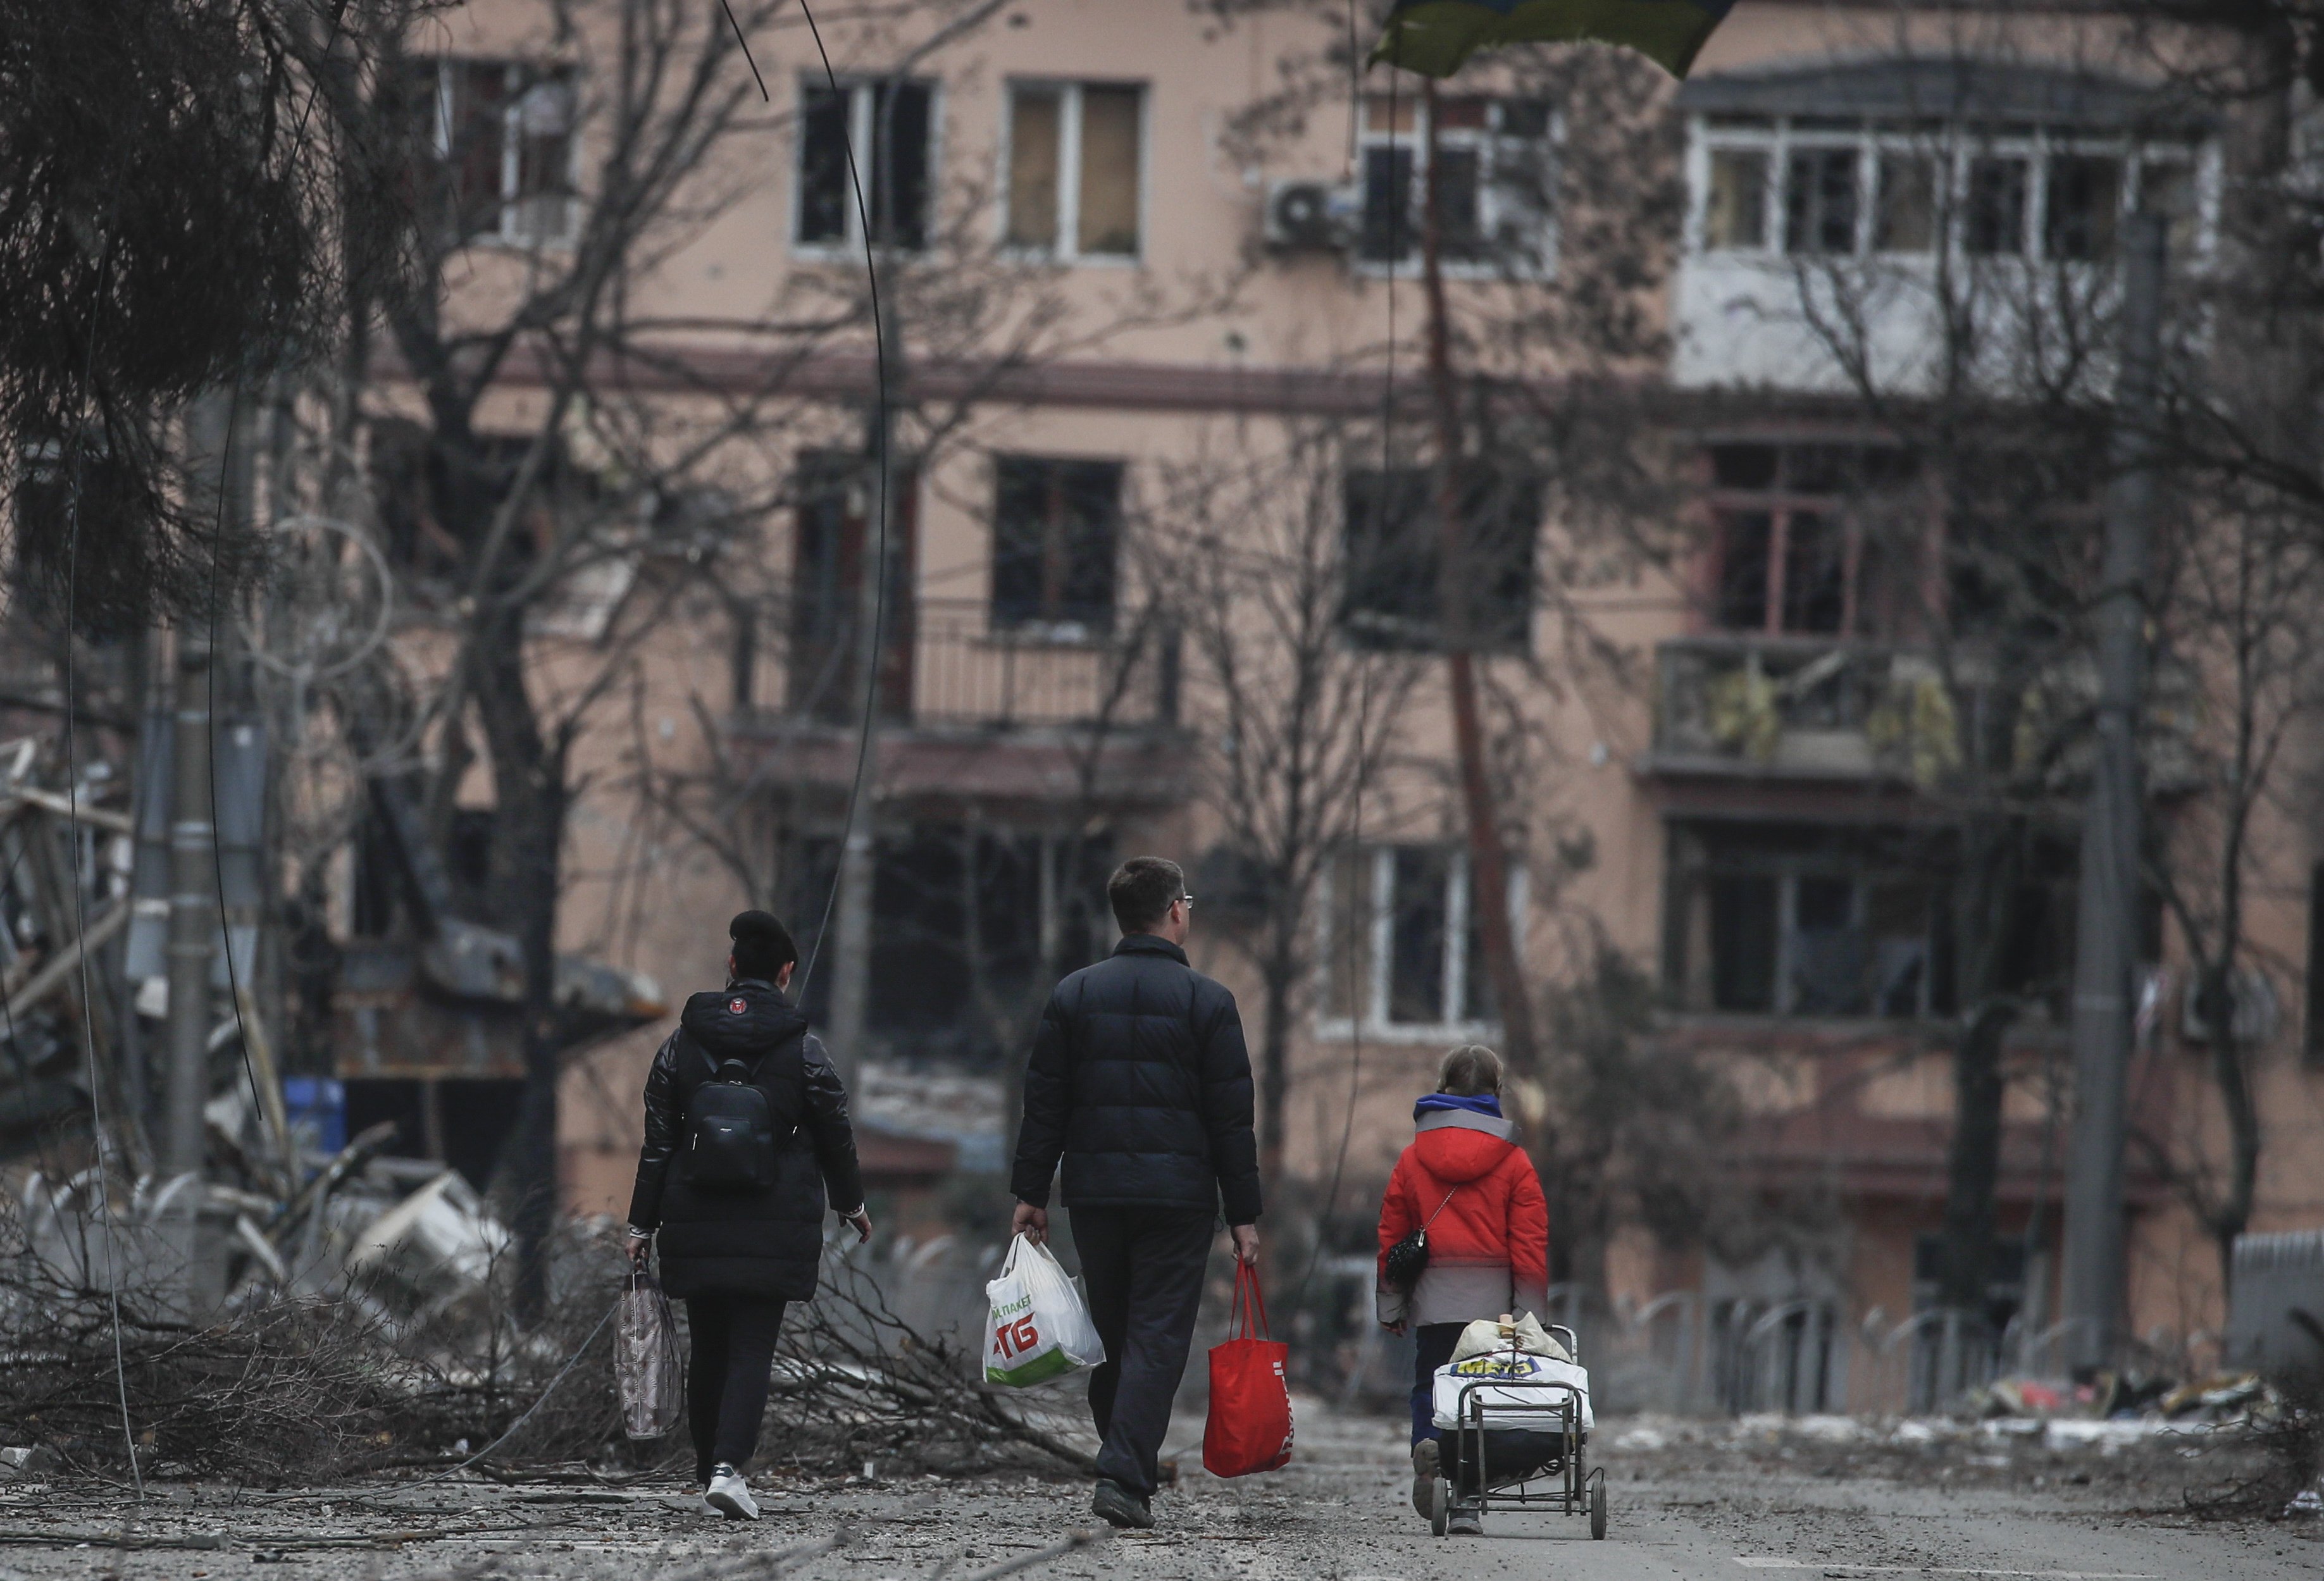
(1516, 1429)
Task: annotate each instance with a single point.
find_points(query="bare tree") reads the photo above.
(1249, 536)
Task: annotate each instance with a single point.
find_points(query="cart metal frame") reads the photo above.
(1579, 1488)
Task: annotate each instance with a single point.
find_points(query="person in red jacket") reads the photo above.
(1468, 1181)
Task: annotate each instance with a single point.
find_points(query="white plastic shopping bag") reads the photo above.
(645, 1360)
(1040, 1329)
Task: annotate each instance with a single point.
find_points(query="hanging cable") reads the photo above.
(878, 568)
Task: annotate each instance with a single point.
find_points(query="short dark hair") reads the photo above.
(763, 945)
(1143, 891)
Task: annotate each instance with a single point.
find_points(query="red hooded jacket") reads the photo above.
(1489, 1244)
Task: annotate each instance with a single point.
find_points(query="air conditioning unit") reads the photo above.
(1312, 215)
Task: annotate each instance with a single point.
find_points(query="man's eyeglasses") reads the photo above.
(1187, 901)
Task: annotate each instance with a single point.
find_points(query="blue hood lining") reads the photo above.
(1483, 1104)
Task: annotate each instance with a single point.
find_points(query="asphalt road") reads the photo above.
(1725, 1504)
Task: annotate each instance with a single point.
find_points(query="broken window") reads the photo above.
(1905, 215)
(1736, 214)
(1075, 169)
(2084, 199)
(1401, 946)
(1057, 527)
(1393, 552)
(1995, 220)
(1798, 921)
(969, 933)
(1820, 201)
(835, 534)
(493, 146)
(436, 500)
(1790, 545)
(895, 124)
(1497, 175)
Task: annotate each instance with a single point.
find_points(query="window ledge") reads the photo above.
(1050, 634)
(1384, 1032)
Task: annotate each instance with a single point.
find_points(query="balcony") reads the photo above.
(1816, 710)
(1799, 708)
(945, 664)
(1051, 713)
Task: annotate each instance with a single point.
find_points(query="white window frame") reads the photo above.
(1493, 146)
(1067, 248)
(511, 231)
(1378, 941)
(860, 101)
(1952, 150)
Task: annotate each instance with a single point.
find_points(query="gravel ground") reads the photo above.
(1816, 1498)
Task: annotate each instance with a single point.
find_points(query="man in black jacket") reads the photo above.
(1140, 1079)
(743, 1235)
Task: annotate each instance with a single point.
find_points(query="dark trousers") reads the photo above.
(1144, 1267)
(1432, 1348)
(734, 1351)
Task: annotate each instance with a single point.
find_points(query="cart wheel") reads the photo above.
(1598, 1506)
(1440, 1506)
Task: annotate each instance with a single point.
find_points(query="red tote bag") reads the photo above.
(1249, 1425)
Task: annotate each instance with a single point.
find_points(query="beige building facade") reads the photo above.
(1153, 280)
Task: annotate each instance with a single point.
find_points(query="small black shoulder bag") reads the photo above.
(1407, 1260)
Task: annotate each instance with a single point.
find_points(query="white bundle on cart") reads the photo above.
(1525, 1356)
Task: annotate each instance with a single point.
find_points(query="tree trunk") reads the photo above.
(1988, 877)
(529, 786)
(1978, 1090)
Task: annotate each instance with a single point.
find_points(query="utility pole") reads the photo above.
(2107, 921)
(1488, 880)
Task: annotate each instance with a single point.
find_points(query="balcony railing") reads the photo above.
(945, 662)
(1812, 708)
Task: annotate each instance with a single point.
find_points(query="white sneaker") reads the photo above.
(729, 1495)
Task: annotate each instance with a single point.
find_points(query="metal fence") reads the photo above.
(1683, 1354)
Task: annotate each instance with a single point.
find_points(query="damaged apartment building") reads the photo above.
(1756, 665)
(1747, 772)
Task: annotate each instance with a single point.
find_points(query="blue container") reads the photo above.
(318, 1113)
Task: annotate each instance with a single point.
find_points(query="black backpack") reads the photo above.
(729, 1132)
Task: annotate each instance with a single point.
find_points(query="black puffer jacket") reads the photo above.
(763, 1243)
(1140, 1079)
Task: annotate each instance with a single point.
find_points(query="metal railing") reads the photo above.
(1684, 1353)
(1819, 707)
(948, 662)
(1808, 707)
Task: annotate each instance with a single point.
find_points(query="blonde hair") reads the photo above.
(1471, 1071)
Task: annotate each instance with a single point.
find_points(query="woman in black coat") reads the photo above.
(747, 1138)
